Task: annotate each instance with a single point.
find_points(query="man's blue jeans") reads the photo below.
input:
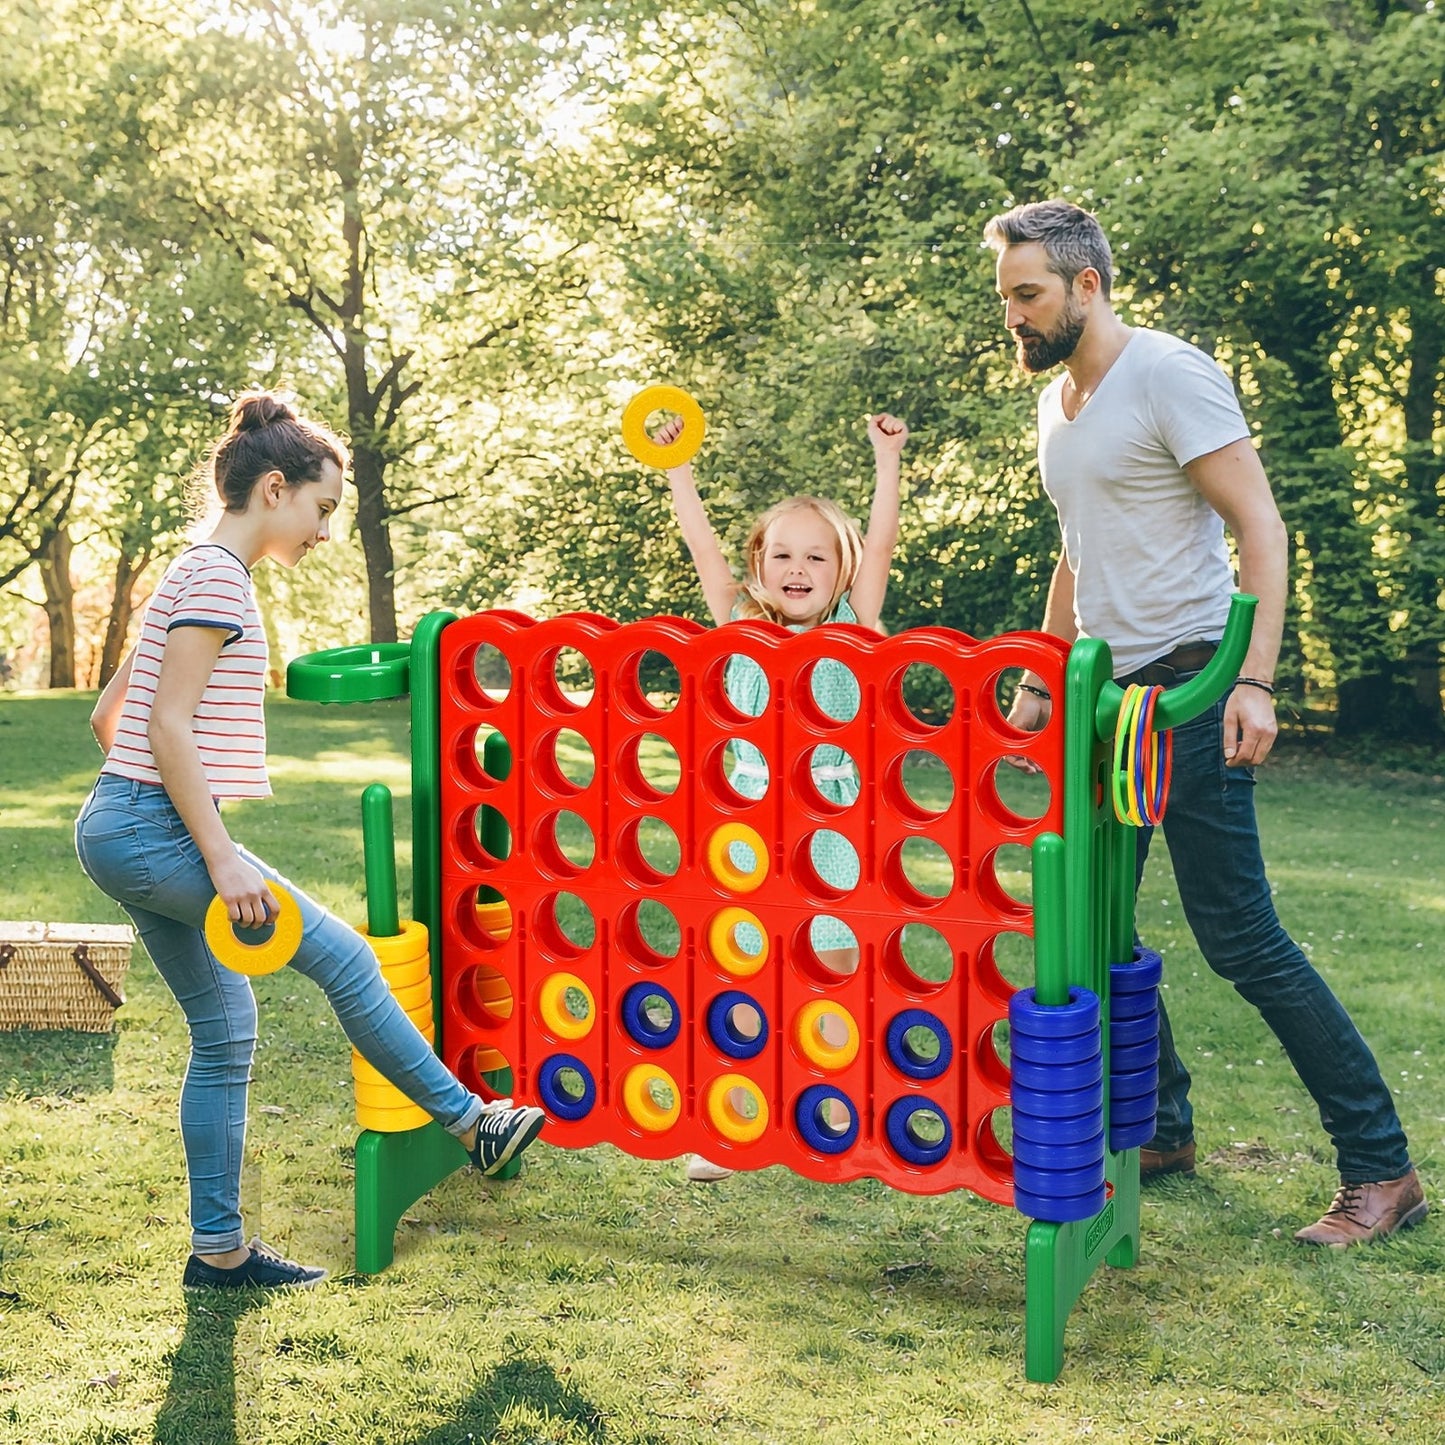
(1214, 843)
(134, 847)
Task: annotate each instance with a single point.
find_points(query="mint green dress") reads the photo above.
(835, 690)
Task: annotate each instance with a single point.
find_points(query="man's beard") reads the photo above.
(1048, 348)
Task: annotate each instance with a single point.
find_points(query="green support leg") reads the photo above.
(393, 1171)
(1060, 1258)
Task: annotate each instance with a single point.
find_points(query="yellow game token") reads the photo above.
(642, 446)
(255, 958)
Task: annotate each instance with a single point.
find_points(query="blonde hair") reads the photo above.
(753, 601)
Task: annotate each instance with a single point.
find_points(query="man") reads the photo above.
(1146, 455)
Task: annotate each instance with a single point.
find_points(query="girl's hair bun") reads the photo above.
(257, 409)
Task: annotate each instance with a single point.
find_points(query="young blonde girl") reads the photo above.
(183, 730)
(805, 563)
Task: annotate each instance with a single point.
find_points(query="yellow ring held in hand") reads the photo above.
(642, 446)
(255, 958)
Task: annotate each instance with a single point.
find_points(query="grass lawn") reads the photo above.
(598, 1299)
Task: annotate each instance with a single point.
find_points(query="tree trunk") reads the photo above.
(122, 609)
(368, 470)
(54, 561)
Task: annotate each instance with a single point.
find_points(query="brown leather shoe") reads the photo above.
(1362, 1212)
(1156, 1163)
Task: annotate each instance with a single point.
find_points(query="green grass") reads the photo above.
(599, 1299)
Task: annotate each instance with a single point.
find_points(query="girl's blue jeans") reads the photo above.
(1213, 840)
(134, 847)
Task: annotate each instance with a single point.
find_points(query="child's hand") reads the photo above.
(668, 432)
(888, 434)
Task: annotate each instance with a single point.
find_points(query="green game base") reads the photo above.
(1060, 1258)
(393, 1171)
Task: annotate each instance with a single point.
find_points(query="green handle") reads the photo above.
(1178, 704)
(383, 919)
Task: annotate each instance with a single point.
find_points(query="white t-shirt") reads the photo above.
(1151, 568)
(205, 586)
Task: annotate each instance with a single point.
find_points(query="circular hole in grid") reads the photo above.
(484, 996)
(574, 840)
(922, 1045)
(736, 689)
(565, 680)
(486, 918)
(659, 764)
(826, 775)
(650, 684)
(994, 1141)
(649, 849)
(926, 782)
(1003, 694)
(998, 1038)
(485, 1070)
(992, 1056)
(573, 759)
(1006, 963)
(492, 673)
(1020, 797)
(565, 924)
(926, 867)
(828, 690)
(924, 696)
(827, 862)
(493, 832)
(648, 768)
(649, 931)
(492, 752)
(827, 947)
(918, 957)
(745, 772)
(1011, 866)
(662, 1094)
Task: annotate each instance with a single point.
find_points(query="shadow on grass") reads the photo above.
(200, 1403)
(531, 1383)
(64, 1062)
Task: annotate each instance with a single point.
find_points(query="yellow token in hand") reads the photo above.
(255, 958)
(642, 446)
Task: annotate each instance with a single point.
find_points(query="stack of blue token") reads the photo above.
(1134, 1049)
(1057, 1066)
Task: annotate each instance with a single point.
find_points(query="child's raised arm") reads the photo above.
(719, 586)
(888, 434)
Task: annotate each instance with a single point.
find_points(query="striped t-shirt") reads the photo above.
(206, 586)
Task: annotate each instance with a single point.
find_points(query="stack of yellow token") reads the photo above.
(406, 967)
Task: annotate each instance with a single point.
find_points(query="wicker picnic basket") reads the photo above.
(62, 975)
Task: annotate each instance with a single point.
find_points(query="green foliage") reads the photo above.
(469, 233)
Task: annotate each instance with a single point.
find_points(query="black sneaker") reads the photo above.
(503, 1132)
(264, 1270)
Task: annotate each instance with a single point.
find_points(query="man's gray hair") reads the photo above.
(1072, 238)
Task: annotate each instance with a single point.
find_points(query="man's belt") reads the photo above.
(1187, 657)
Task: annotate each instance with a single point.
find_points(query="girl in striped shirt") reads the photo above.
(183, 728)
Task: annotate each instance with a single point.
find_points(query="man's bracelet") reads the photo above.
(1258, 682)
(1042, 692)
